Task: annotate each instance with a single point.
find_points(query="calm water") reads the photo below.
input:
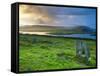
(85, 36)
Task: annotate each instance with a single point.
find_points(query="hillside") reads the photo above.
(56, 29)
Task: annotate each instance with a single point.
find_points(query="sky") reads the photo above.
(56, 16)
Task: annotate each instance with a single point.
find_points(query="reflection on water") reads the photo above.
(85, 36)
(38, 33)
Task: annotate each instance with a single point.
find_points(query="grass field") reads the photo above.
(49, 53)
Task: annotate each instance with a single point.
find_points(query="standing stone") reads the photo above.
(82, 50)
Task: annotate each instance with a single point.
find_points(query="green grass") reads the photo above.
(49, 53)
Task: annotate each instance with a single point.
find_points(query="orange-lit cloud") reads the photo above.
(32, 15)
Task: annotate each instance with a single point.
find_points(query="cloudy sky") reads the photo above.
(56, 16)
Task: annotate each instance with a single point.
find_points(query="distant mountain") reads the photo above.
(46, 28)
(84, 29)
(38, 28)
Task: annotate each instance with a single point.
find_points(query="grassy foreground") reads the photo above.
(49, 53)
